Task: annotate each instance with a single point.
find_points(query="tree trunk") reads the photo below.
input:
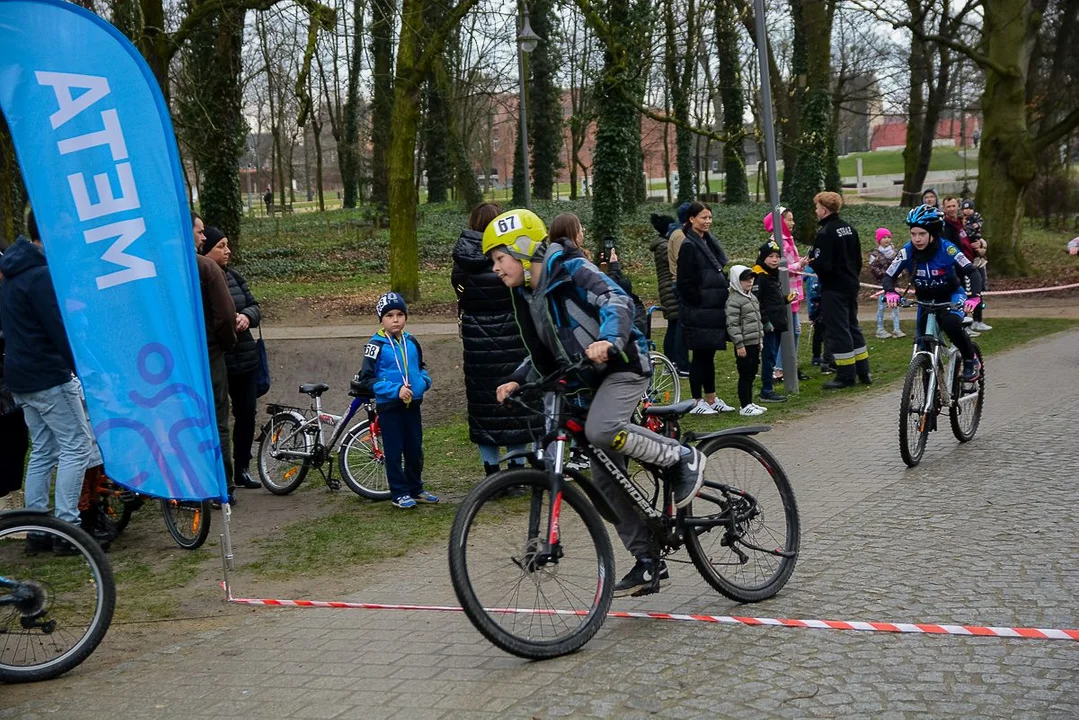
(12, 190)
(678, 68)
(349, 151)
(403, 199)
(316, 127)
(545, 101)
(1006, 158)
(384, 99)
(736, 182)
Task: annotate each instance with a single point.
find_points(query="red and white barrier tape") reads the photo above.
(922, 628)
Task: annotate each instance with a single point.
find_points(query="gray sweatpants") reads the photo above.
(608, 428)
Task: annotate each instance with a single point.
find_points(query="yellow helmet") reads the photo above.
(519, 232)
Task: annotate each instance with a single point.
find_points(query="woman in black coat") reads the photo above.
(14, 442)
(702, 292)
(492, 346)
(242, 361)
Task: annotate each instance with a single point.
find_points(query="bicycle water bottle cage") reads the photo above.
(314, 389)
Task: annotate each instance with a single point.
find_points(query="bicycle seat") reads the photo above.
(667, 411)
(314, 389)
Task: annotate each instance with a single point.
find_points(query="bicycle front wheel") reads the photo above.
(529, 605)
(914, 422)
(742, 532)
(664, 387)
(282, 475)
(188, 522)
(362, 462)
(57, 596)
(966, 410)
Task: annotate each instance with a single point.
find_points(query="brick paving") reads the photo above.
(983, 533)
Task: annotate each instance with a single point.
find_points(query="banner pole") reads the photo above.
(226, 550)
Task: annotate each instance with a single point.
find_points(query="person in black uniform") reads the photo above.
(836, 257)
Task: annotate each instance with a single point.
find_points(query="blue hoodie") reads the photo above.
(37, 354)
(385, 365)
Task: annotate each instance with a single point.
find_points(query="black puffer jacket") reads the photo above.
(244, 357)
(492, 347)
(702, 291)
(663, 267)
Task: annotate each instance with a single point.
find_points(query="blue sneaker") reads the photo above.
(404, 502)
(426, 497)
(972, 369)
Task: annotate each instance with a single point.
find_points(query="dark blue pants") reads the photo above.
(674, 347)
(402, 434)
(769, 353)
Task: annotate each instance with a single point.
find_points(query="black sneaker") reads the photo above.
(63, 548)
(815, 362)
(826, 369)
(643, 579)
(772, 396)
(803, 376)
(37, 542)
(245, 481)
(971, 369)
(689, 478)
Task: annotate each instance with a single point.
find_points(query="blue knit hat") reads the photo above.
(683, 213)
(390, 301)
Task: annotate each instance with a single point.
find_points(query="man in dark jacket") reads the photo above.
(220, 315)
(836, 257)
(39, 371)
(667, 297)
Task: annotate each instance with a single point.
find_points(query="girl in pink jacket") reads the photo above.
(795, 264)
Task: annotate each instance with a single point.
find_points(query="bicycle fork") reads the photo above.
(544, 544)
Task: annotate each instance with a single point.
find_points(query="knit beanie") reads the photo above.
(966, 204)
(390, 301)
(883, 233)
(768, 248)
(683, 213)
(213, 237)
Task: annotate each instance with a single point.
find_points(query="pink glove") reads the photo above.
(892, 298)
(971, 304)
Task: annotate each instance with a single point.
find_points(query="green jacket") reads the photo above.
(744, 325)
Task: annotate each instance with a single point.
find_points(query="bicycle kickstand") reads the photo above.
(332, 483)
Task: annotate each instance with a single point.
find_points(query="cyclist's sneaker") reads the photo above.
(404, 502)
(689, 477)
(719, 406)
(426, 497)
(971, 370)
(979, 326)
(772, 396)
(702, 408)
(883, 334)
(577, 461)
(643, 579)
(898, 334)
(752, 410)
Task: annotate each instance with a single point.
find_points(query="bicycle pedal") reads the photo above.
(333, 485)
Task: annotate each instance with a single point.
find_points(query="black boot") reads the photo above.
(862, 368)
(489, 469)
(844, 378)
(244, 480)
(98, 525)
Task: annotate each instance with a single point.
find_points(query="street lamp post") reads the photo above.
(527, 40)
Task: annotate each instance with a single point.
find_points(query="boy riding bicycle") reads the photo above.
(566, 307)
(935, 266)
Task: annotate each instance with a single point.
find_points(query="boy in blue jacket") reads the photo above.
(394, 374)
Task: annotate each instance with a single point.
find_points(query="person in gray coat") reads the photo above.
(746, 330)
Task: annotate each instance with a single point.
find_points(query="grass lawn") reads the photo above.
(890, 162)
(362, 531)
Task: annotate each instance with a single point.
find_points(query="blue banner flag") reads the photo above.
(99, 157)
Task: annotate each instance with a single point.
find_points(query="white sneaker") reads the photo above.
(972, 333)
(720, 406)
(702, 408)
(898, 334)
(981, 327)
(752, 410)
(882, 334)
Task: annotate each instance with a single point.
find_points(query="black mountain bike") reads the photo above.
(57, 596)
(530, 560)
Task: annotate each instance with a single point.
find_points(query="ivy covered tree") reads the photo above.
(12, 189)
(679, 74)
(382, 98)
(349, 151)
(520, 176)
(544, 100)
(730, 83)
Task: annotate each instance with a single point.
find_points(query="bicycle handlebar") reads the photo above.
(908, 303)
(551, 380)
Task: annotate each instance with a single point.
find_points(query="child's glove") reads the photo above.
(892, 299)
(768, 327)
(971, 304)
(791, 297)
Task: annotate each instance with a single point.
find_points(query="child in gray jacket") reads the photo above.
(746, 331)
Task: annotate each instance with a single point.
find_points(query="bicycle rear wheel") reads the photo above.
(55, 607)
(524, 604)
(966, 411)
(914, 422)
(362, 462)
(742, 532)
(664, 387)
(188, 522)
(282, 475)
